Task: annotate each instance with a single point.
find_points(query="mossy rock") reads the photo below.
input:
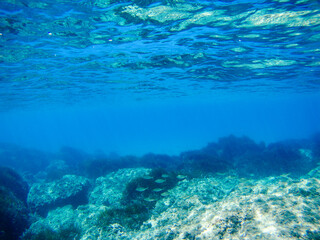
(150, 187)
(14, 183)
(14, 218)
(130, 217)
(67, 233)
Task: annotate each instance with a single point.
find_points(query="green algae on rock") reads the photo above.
(109, 190)
(14, 213)
(220, 207)
(70, 189)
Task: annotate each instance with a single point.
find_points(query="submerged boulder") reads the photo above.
(13, 182)
(70, 189)
(220, 207)
(14, 217)
(59, 224)
(108, 190)
(271, 208)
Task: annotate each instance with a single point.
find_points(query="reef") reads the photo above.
(14, 213)
(70, 189)
(108, 190)
(220, 207)
(231, 189)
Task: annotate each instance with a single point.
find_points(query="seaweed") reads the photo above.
(149, 183)
(131, 216)
(14, 218)
(139, 198)
(312, 235)
(71, 232)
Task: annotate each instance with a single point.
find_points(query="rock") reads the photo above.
(14, 217)
(108, 190)
(13, 182)
(69, 223)
(275, 208)
(59, 224)
(220, 207)
(70, 189)
(56, 170)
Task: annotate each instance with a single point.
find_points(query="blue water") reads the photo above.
(167, 127)
(159, 119)
(134, 77)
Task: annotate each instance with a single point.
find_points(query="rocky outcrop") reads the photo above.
(70, 189)
(218, 207)
(14, 217)
(108, 190)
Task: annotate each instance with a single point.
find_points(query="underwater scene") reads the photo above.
(159, 119)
